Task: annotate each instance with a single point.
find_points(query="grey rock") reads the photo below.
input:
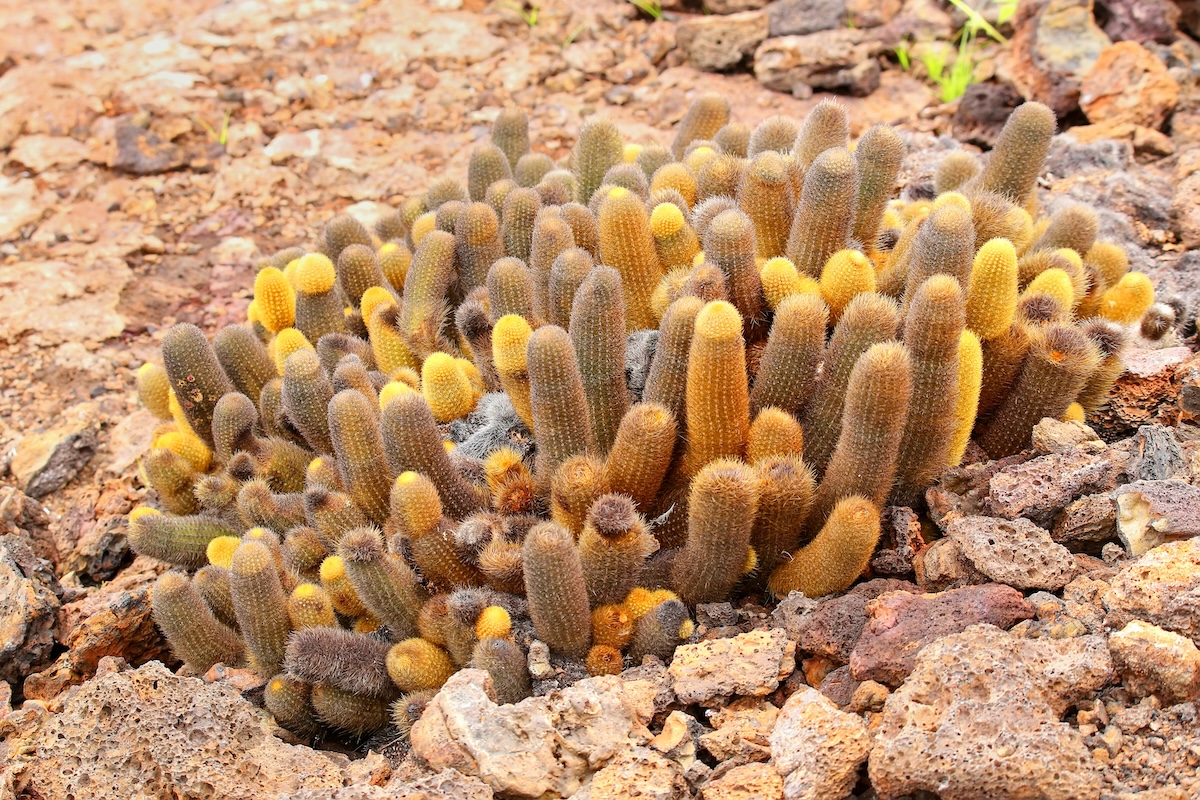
(1157, 454)
(800, 17)
(1150, 513)
(1085, 524)
(839, 60)
(142, 152)
(1014, 552)
(29, 601)
(982, 112)
(721, 43)
(1038, 489)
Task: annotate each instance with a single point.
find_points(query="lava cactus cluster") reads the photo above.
(569, 401)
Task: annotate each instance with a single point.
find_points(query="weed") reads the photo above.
(653, 8)
(221, 137)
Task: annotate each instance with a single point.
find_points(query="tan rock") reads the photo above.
(741, 730)
(1128, 83)
(48, 460)
(59, 301)
(750, 665)
(656, 778)
(816, 748)
(1014, 552)
(1158, 662)
(747, 782)
(1162, 587)
(967, 696)
(541, 747)
(147, 734)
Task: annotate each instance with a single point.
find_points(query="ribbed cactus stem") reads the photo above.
(868, 320)
(932, 333)
(412, 442)
(196, 376)
(261, 606)
(614, 544)
(877, 158)
(557, 593)
(358, 445)
(196, 636)
(721, 509)
(864, 461)
(825, 212)
(1056, 368)
(557, 398)
(597, 330)
(836, 557)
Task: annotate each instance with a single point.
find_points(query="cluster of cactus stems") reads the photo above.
(821, 349)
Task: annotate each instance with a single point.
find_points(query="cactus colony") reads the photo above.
(822, 350)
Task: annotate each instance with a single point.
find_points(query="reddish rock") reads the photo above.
(900, 624)
(1128, 83)
(1142, 21)
(835, 626)
(1148, 390)
(113, 620)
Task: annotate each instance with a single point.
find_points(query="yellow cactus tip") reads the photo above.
(687, 629)
(631, 152)
(332, 569)
(276, 685)
(305, 591)
(142, 511)
(388, 247)
(719, 320)
(372, 298)
(1074, 413)
(666, 220)
(951, 199)
(1070, 255)
(406, 478)
(257, 534)
(493, 623)
(145, 368)
(315, 274)
(448, 446)
(220, 550)
(391, 390)
(751, 561)
(617, 192)
(423, 226)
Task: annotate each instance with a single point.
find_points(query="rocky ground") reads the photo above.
(1043, 646)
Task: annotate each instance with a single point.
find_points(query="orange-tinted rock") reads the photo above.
(1130, 84)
